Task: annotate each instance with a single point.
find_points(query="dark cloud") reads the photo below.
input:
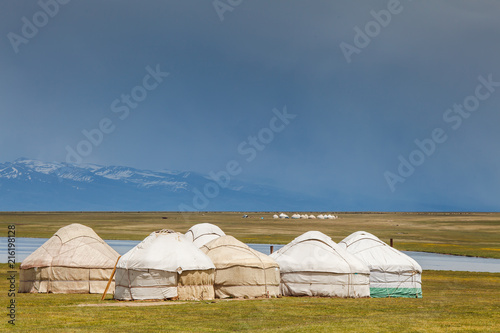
(353, 119)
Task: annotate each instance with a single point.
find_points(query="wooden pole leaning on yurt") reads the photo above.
(110, 279)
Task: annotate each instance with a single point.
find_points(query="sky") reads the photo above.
(325, 98)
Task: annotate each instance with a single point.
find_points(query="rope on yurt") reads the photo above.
(265, 276)
(411, 277)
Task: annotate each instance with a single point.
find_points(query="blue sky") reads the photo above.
(353, 118)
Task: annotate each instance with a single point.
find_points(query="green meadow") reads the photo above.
(452, 302)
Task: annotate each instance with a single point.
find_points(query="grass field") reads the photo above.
(471, 234)
(452, 302)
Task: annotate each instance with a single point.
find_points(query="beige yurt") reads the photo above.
(392, 273)
(202, 233)
(74, 260)
(242, 271)
(314, 265)
(165, 265)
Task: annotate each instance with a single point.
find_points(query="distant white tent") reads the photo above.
(283, 216)
(164, 265)
(392, 273)
(74, 260)
(240, 270)
(295, 216)
(202, 233)
(312, 217)
(313, 265)
(304, 216)
(320, 216)
(275, 216)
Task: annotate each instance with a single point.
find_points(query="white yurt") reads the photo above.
(74, 260)
(283, 216)
(275, 216)
(304, 216)
(392, 273)
(313, 265)
(242, 271)
(295, 216)
(202, 233)
(165, 265)
(311, 216)
(321, 217)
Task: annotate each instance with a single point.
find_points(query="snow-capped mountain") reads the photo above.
(31, 185)
(25, 169)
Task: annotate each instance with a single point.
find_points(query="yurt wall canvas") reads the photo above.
(74, 260)
(165, 265)
(242, 271)
(313, 265)
(392, 273)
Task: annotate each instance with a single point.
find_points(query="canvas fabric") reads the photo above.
(73, 246)
(203, 233)
(157, 285)
(241, 281)
(324, 284)
(242, 271)
(164, 265)
(74, 260)
(64, 280)
(392, 273)
(313, 265)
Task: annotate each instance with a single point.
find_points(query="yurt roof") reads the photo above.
(314, 251)
(377, 254)
(165, 250)
(74, 245)
(227, 251)
(203, 233)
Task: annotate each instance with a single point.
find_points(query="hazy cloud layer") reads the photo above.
(225, 77)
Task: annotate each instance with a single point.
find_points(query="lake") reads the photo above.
(432, 261)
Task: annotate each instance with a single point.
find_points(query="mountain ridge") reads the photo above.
(33, 185)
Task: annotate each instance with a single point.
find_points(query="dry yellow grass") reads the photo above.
(473, 234)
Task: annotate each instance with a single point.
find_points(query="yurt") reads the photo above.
(304, 216)
(296, 216)
(202, 233)
(242, 271)
(275, 216)
(283, 216)
(165, 265)
(312, 216)
(313, 265)
(321, 217)
(392, 273)
(74, 260)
